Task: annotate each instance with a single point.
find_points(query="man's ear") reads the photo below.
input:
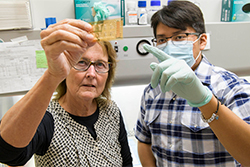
(203, 41)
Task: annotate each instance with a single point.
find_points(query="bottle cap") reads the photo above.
(49, 21)
(142, 3)
(155, 3)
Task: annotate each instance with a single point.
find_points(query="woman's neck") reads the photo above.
(78, 107)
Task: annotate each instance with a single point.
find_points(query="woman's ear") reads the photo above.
(203, 41)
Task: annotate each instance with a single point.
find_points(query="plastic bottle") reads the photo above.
(142, 13)
(131, 14)
(155, 5)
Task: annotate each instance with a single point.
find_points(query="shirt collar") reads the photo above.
(204, 71)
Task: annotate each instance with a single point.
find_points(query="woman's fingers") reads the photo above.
(78, 28)
(62, 35)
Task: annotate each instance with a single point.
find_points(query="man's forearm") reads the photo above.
(146, 155)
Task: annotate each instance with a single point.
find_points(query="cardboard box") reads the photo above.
(84, 9)
(241, 10)
(235, 10)
(226, 10)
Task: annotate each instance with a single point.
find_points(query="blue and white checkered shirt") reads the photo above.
(176, 131)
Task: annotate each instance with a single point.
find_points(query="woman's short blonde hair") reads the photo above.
(106, 94)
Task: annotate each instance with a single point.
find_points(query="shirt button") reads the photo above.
(195, 126)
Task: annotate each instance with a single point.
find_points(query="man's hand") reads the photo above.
(176, 75)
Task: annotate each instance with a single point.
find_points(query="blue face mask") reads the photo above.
(181, 50)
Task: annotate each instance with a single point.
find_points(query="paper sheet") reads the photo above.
(41, 61)
(18, 70)
(15, 14)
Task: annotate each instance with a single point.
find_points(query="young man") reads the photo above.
(192, 113)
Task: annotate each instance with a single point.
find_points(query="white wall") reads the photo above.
(211, 9)
(40, 9)
(128, 99)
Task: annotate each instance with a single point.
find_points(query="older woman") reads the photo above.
(81, 126)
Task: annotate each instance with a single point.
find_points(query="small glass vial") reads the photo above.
(155, 5)
(131, 14)
(142, 14)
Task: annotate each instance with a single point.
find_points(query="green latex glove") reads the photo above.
(101, 11)
(176, 75)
